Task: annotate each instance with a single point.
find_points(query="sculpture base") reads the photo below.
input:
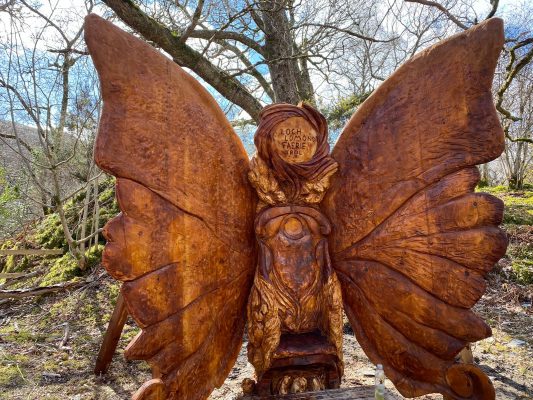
(355, 393)
(302, 363)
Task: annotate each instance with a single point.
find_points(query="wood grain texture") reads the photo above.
(411, 242)
(295, 291)
(112, 336)
(183, 244)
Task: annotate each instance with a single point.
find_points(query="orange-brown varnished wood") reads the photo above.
(400, 228)
(411, 242)
(112, 336)
(295, 307)
(183, 244)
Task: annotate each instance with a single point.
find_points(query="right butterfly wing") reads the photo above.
(411, 242)
(184, 243)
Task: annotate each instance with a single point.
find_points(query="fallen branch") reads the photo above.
(11, 275)
(63, 344)
(37, 252)
(13, 279)
(524, 139)
(20, 293)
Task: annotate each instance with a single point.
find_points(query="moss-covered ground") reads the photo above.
(48, 344)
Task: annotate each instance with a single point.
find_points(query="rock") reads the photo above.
(517, 343)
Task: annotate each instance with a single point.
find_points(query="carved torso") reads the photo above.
(295, 289)
(293, 250)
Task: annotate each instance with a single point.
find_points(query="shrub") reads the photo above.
(523, 271)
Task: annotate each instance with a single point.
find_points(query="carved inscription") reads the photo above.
(295, 140)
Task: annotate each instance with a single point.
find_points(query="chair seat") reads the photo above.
(302, 345)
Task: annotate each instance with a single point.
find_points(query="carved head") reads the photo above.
(293, 142)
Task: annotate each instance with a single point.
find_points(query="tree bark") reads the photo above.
(279, 45)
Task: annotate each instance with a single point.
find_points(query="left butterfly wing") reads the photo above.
(411, 242)
(184, 243)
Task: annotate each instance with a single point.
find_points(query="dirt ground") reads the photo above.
(48, 347)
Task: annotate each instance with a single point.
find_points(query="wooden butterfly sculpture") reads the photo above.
(387, 227)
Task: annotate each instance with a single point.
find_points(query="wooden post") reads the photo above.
(112, 336)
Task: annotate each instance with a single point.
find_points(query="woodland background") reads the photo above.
(332, 54)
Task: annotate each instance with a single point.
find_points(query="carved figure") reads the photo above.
(295, 289)
(206, 237)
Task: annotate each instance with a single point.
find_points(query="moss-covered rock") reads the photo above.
(67, 267)
(14, 263)
(50, 234)
(107, 195)
(93, 256)
(63, 269)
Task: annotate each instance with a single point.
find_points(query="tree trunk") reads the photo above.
(278, 51)
(485, 175)
(289, 83)
(307, 92)
(516, 180)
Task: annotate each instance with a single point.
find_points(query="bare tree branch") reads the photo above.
(512, 70)
(495, 4)
(38, 291)
(517, 140)
(195, 18)
(69, 51)
(22, 142)
(228, 35)
(347, 31)
(6, 5)
(184, 55)
(443, 9)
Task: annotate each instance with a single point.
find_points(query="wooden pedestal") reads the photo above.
(305, 356)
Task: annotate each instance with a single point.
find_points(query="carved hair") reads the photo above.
(292, 177)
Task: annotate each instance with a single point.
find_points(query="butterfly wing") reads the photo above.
(183, 244)
(412, 242)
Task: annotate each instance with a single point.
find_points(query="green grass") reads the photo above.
(523, 271)
(518, 216)
(518, 204)
(10, 375)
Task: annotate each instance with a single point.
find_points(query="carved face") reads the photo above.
(295, 140)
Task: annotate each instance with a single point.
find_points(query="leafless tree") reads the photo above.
(518, 128)
(255, 52)
(50, 102)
